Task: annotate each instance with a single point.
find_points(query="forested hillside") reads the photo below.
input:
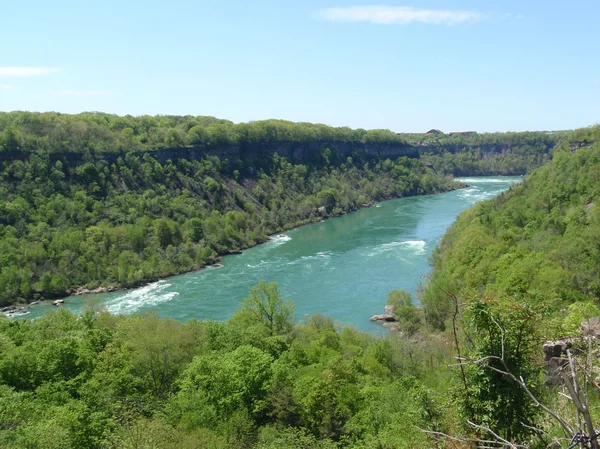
(537, 242)
(122, 224)
(511, 274)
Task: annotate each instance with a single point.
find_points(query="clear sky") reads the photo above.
(404, 65)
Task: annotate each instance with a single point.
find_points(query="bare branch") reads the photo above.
(441, 435)
(498, 437)
(521, 382)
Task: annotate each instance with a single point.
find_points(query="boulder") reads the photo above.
(555, 349)
(591, 327)
(384, 318)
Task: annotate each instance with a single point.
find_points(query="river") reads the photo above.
(343, 267)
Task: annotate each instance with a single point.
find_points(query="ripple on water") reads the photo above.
(415, 247)
(483, 180)
(280, 239)
(150, 295)
(261, 264)
(474, 195)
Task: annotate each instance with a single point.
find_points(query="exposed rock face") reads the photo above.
(555, 352)
(591, 327)
(85, 291)
(554, 349)
(295, 151)
(575, 145)
(555, 356)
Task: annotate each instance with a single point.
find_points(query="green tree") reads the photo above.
(195, 230)
(503, 336)
(407, 314)
(163, 230)
(266, 306)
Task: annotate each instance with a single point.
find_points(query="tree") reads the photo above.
(164, 232)
(407, 315)
(159, 349)
(327, 197)
(217, 385)
(195, 231)
(503, 339)
(266, 306)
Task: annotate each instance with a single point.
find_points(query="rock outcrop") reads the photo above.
(384, 318)
(555, 352)
(85, 291)
(294, 151)
(555, 356)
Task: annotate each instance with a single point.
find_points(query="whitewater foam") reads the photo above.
(416, 246)
(484, 181)
(261, 264)
(150, 295)
(320, 255)
(474, 195)
(280, 239)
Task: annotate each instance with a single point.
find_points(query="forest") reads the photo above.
(259, 380)
(97, 224)
(538, 242)
(465, 368)
(512, 274)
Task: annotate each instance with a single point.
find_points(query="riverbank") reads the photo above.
(342, 268)
(113, 288)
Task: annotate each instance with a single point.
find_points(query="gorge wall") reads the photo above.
(293, 151)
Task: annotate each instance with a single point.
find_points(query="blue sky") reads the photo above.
(408, 66)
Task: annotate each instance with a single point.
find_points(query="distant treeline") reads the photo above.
(99, 132)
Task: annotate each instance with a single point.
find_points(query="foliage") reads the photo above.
(407, 314)
(536, 243)
(64, 225)
(266, 307)
(143, 381)
(503, 337)
(513, 272)
(96, 132)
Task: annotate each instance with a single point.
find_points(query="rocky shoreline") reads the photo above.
(217, 262)
(387, 319)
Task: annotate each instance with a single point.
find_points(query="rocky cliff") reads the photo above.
(293, 151)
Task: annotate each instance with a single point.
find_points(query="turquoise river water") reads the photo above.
(343, 267)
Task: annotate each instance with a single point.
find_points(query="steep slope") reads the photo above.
(136, 220)
(539, 241)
